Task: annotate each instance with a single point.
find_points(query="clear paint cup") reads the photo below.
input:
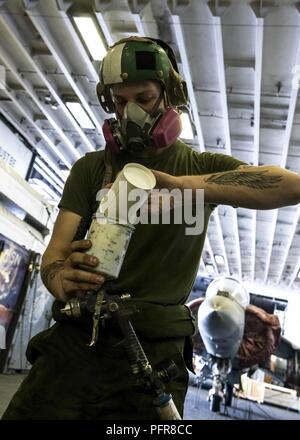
(128, 193)
(110, 241)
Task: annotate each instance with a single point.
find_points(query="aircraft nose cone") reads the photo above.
(221, 325)
(219, 317)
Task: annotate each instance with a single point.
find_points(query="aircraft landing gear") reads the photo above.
(228, 393)
(221, 388)
(215, 394)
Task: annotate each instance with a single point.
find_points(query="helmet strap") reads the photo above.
(157, 103)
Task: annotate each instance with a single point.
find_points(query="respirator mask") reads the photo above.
(138, 129)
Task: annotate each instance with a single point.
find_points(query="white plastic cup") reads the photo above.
(110, 241)
(128, 193)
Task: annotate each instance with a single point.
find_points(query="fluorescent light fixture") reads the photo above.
(91, 37)
(80, 114)
(210, 268)
(187, 129)
(219, 260)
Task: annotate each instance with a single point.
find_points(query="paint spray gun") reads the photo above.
(110, 233)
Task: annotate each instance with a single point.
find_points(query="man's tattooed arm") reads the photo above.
(50, 270)
(256, 180)
(254, 187)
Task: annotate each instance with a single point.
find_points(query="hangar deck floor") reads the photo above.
(196, 405)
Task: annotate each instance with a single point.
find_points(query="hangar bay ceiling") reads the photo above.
(241, 60)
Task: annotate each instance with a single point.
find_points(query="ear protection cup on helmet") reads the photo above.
(105, 98)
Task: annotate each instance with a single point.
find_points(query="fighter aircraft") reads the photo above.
(232, 336)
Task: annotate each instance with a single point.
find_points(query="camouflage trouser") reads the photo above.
(70, 381)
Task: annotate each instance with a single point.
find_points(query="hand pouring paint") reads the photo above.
(110, 236)
(128, 193)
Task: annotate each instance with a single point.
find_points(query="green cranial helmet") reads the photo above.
(141, 59)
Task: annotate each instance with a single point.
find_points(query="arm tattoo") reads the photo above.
(48, 272)
(82, 229)
(257, 179)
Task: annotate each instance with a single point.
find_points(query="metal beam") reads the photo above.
(29, 89)
(104, 28)
(221, 72)
(296, 270)
(202, 265)
(40, 24)
(47, 177)
(243, 139)
(257, 92)
(224, 104)
(139, 24)
(45, 156)
(272, 230)
(237, 242)
(285, 149)
(208, 245)
(242, 106)
(221, 238)
(248, 64)
(12, 29)
(253, 243)
(82, 53)
(17, 125)
(288, 244)
(49, 142)
(187, 76)
(31, 141)
(57, 179)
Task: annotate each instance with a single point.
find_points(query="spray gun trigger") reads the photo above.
(96, 317)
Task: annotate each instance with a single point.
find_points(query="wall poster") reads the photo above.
(14, 264)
